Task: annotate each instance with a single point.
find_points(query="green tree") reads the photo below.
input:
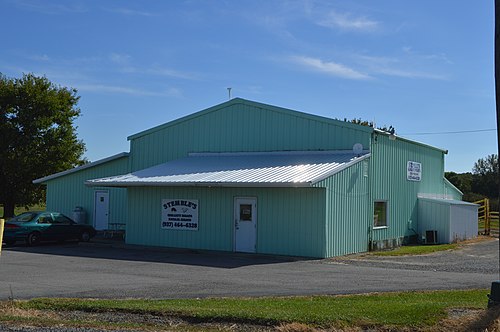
(361, 122)
(463, 181)
(486, 176)
(37, 137)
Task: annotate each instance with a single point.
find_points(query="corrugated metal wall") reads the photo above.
(243, 126)
(66, 192)
(464, 223)
(319, 222)
(290, 221)
(240, 125)
(388, 182)
(451, 192)
(434, 216)
(452, 221)
(347, 210)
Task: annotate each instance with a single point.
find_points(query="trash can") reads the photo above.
(79, 215)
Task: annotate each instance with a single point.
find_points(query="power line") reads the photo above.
(452, 132)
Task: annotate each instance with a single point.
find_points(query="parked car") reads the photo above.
(34, 227)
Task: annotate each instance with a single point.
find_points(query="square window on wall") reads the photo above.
(380, 214)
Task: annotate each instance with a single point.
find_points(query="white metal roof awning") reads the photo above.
(447, 201)
(80, 168)
(254, 169)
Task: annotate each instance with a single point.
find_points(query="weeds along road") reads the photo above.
(104, 271)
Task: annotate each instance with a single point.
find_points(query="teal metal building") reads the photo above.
(249, 177)
(66, 192)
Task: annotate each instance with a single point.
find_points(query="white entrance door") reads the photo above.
(101, 210)
(245, 224)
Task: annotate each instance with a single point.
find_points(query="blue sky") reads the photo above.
(421, 66)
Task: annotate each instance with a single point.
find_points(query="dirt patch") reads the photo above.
(478, 239)
(459, 319)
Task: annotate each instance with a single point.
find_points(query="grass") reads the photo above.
(494, 225)
(404, 309)
(416, 250)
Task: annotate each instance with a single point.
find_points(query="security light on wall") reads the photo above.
(357, 148)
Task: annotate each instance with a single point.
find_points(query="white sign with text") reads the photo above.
(179, 214)
(414, 171)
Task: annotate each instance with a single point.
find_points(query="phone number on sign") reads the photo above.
(170, 224)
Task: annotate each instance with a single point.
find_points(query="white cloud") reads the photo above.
(101, 88)
(370, 67)
(41, 58)
(158, 71)
(408, 50)
(330, 68)
(173, 92)
(347, 21)
(399, 67)
(131, 12)
(120, 58)
(409, 73)
(125, 65)
(171, 73)
(46, 7)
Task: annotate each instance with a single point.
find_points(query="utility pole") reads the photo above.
(497, 81)
(494, 297)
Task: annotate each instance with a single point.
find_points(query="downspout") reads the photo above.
(373, 141)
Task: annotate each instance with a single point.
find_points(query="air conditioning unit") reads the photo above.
(431, 237)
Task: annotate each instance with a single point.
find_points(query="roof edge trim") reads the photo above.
(80, 168)
(236, 101)
(447, 201)
(378, 131)
(202, 184)
(275, 153)
(340, 169)
(452, 185)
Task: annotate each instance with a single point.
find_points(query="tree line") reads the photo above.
(482, 182)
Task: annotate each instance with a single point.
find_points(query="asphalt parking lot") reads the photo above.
(99, 270)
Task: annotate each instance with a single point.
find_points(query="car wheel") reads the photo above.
(85, 236)
(33, 239)
(10, 242)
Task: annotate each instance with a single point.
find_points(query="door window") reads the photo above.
(245, 212)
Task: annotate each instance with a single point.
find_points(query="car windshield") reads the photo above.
(24, 217)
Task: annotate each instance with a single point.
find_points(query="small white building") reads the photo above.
(446, 221)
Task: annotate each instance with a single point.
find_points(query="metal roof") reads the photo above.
(80, 168)
(254, 169)
(447, 201)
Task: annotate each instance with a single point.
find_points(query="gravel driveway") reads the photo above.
(477, 257)
(105, 271)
